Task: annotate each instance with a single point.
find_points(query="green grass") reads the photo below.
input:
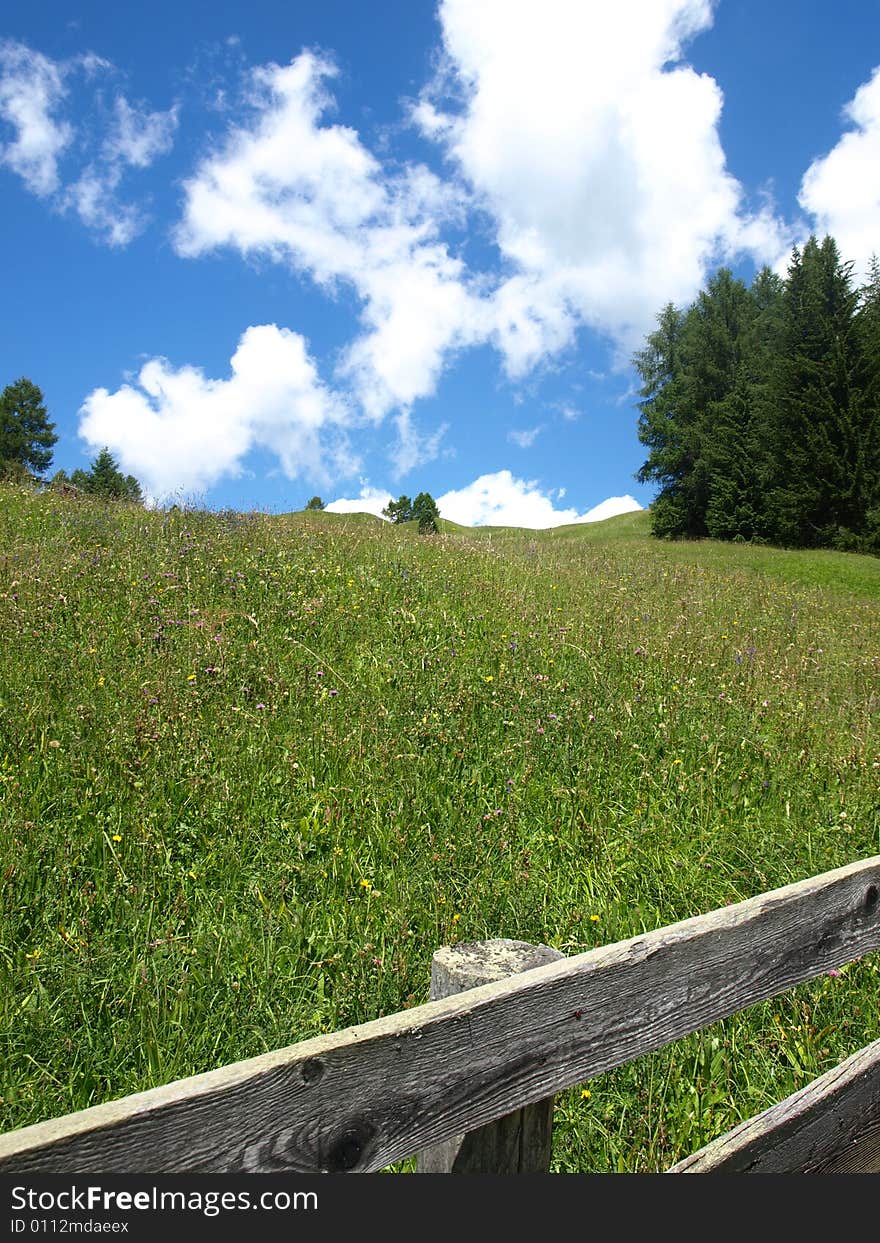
(254, 769)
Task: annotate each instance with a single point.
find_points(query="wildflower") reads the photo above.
(456, 917)
(490, 678)
(117, 837)
(834, 972)
(333, 692)
(594, 919)
(101, 680)
(366, 884)
(319, 673)
(259, 706)
(191, 677)
(34, 955)
(586, 1094)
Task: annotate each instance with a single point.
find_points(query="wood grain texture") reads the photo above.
(359, 1099)
(518, 1143)
(832, 1126)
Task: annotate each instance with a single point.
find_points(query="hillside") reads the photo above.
(256, 768)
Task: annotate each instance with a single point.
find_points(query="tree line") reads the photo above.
(760, 408)
(422, 510)
(27, 437)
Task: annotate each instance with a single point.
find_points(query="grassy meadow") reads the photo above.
(255, 768)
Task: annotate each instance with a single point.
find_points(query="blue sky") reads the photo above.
(270, 250)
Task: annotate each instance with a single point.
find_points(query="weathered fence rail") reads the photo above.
(359, 1099)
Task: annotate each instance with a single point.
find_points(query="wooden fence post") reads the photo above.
(519, 1143)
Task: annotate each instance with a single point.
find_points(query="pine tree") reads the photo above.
(400, 510)
(868, 335)
(820, 434)
(716, 405)
(659, 365)
(426, 513)
(26, 435)
(105, 479)
(737, 449)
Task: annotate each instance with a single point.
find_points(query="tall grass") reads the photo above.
(254, 769)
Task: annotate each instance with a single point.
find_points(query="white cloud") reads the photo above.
(289, 186)
(411, 448)
(494, 500)
(841, 190)
(524, 437)
(137, 137)
(31, 92)
(179, 431)
(610, 508)
(93, 197)
(370, 501)
(33, 89)
(500, 499)
(574, 127)
(596, 151)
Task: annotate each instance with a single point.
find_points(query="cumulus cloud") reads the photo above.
(841, 190)
(584, 139)
(604, 175)
(32, 91)
(369, 501)
(610, 508)
(292, 187)
(500, 499)
(179, 431)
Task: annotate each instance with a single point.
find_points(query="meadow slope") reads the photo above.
(255, 768)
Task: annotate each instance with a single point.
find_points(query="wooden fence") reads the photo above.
(359, 1099)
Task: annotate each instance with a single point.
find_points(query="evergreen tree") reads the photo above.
(400, 510)
(315, 503)
(761, 408)
(26, 435)
(737, 448)
(659, 365)
(820, 434)
(868, 334)
(105, 479)
(715, 406)
(426, 513)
